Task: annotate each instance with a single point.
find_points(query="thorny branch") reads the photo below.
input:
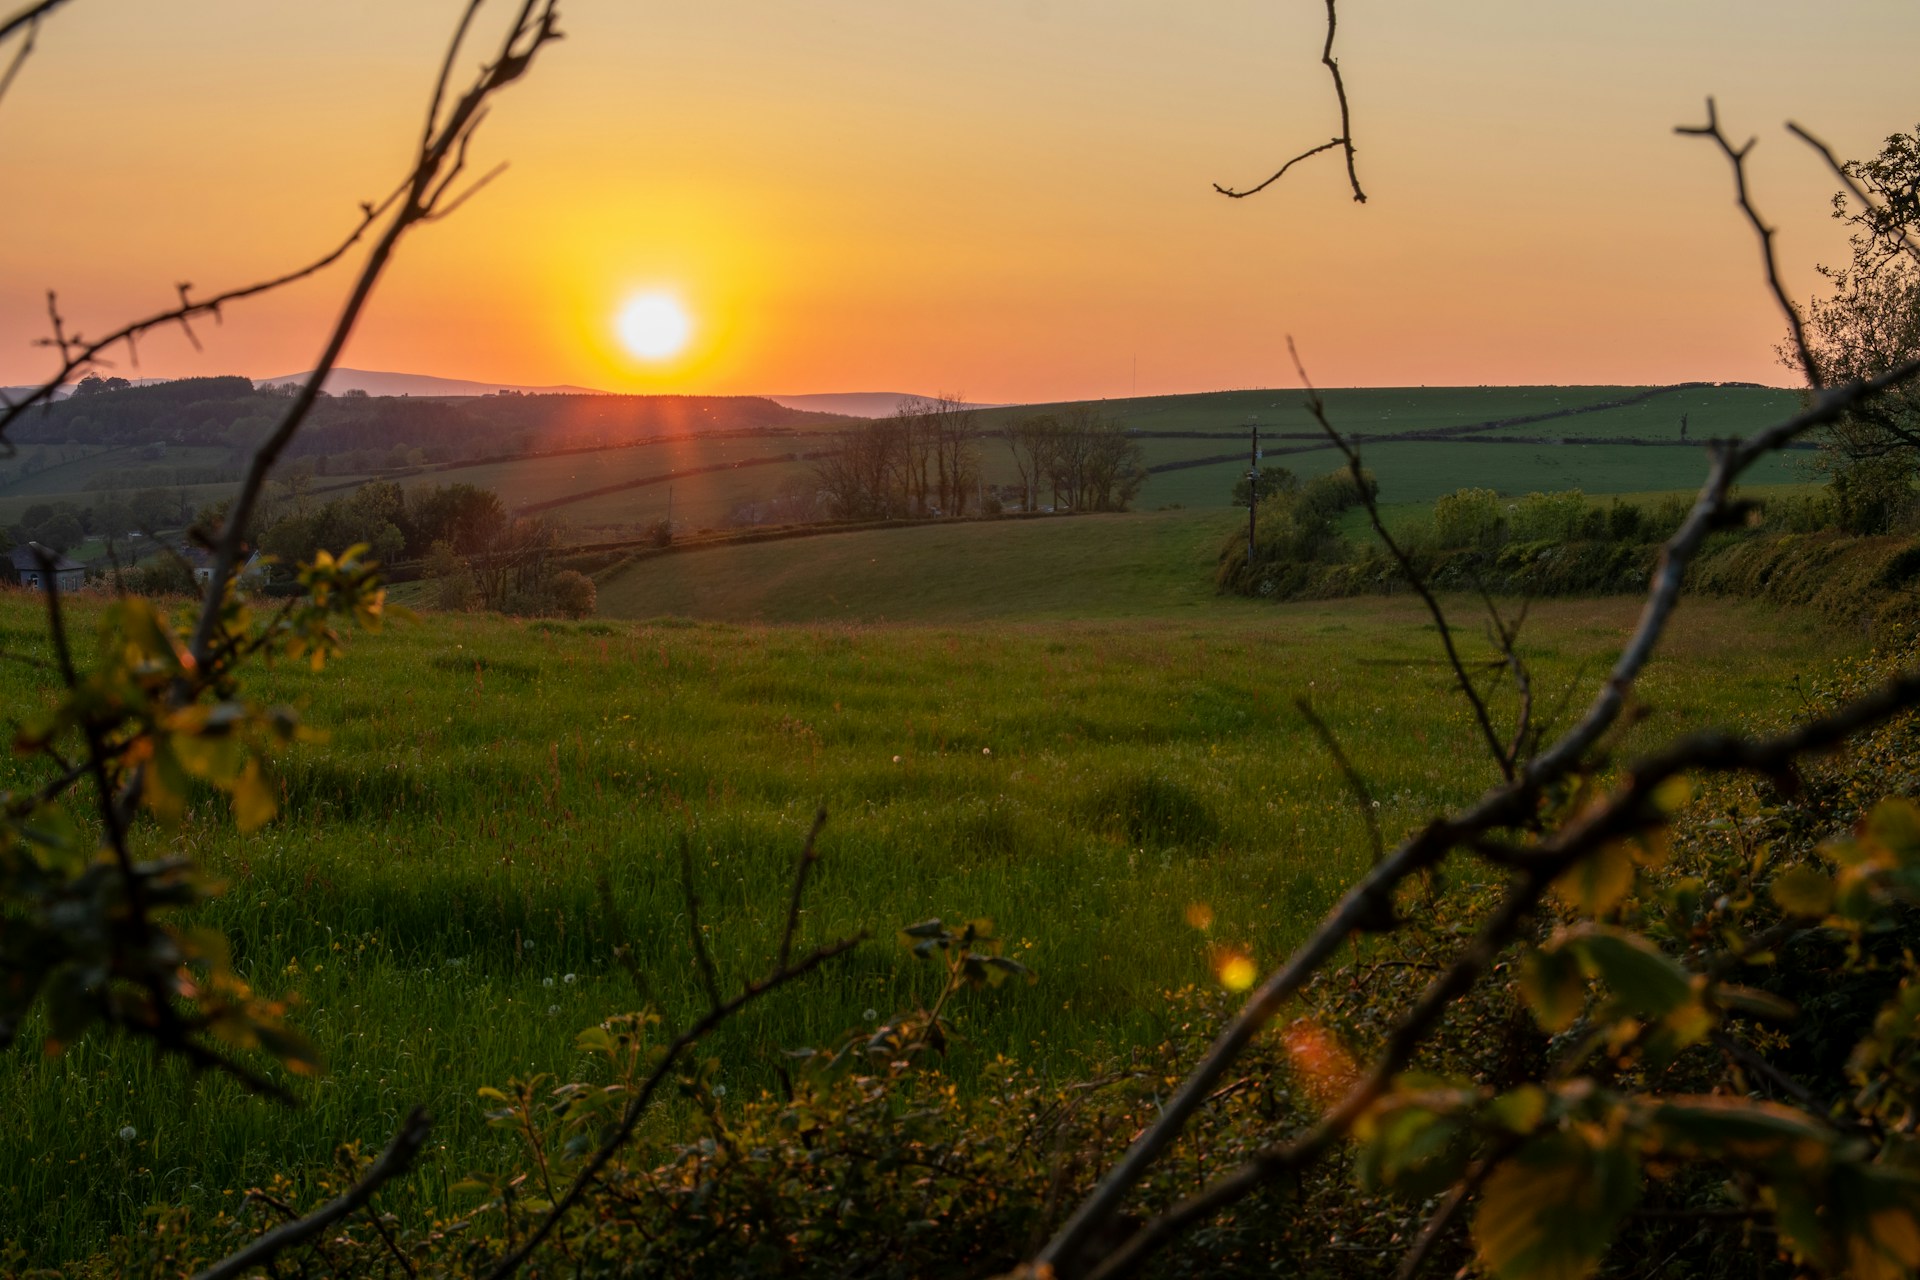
(1343, 140)
(440, 159)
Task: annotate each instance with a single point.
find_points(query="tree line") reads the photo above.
(925, 460)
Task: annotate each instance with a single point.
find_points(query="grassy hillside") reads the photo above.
(432, 888)
(1097, 566)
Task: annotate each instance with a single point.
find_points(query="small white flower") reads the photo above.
(546, 982)
(129, 1133)
(553, 1010)
(527, 945)
(570, 979)
(986, 751)
(719, 1091)
(871, 1015)
(896, 759)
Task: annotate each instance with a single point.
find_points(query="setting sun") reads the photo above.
(654, 326)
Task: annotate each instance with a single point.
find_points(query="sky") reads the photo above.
(1010, 200)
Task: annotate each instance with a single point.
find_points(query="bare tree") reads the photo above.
(1031, 440)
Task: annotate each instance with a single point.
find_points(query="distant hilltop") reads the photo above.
(857, 404)
(377, 383)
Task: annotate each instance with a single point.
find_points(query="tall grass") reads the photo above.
(432, 894)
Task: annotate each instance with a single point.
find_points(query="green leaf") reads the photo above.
(1894, 824)
(1645, 979)
(1520, 1111)
(1598, 881)
(253, 800)
(925, 929)
(1553, 987)
(1803, 891)
(1550, 1211)
(1742, 1129)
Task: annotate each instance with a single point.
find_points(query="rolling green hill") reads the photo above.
(1096, 566)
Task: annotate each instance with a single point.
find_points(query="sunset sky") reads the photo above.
(1009, 199)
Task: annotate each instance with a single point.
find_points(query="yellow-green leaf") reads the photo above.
(1553, 987)
(1595, 883)
(1550, 1211)
(253, 801)
(1803, 891)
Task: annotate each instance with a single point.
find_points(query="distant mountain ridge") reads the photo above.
(376, 382)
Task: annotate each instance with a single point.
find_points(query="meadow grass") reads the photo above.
(431, 891)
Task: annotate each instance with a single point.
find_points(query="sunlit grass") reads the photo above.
(432, 894)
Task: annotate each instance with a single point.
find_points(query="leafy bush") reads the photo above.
(1468, 518)
(1873, 495)
(1549, 517)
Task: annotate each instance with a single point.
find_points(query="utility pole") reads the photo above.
(1253, 486)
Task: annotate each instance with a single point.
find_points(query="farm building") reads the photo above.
(29, 568)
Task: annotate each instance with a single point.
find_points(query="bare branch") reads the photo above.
(532, 30)
(1344, 139)
(1737, 158)
(1481, 715)
(392, 1162)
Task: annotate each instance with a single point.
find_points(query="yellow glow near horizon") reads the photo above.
(654, 326)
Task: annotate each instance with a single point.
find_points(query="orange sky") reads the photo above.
(1005, 198)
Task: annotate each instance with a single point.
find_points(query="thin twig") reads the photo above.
(702, 959)
(1908, 241)
(1737, 158)
(1343, 139)
(805, 864)
(392, 1162)
(1362, 794)
(1481, 715)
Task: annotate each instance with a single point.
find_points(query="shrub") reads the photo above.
(1873, 495)
(1467, 518)
(1626, 522)
(572, 593)
(1549, 517)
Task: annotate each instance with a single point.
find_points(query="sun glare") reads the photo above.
(654, 326)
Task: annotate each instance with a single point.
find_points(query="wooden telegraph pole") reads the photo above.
(1253, 487)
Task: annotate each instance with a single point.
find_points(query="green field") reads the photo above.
(432, 881)
(1094, 566)
(1410, 471)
